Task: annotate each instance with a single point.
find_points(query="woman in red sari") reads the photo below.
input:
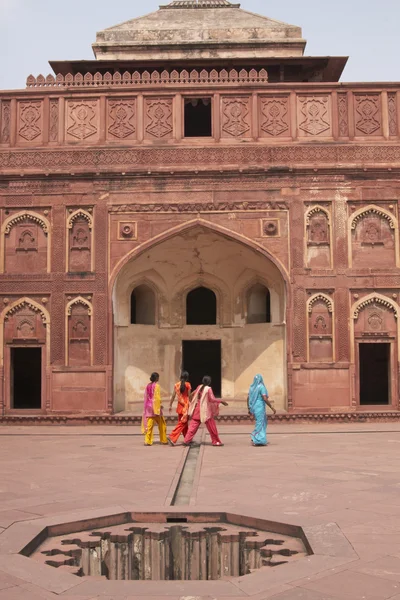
(202, 409)
(181, 391)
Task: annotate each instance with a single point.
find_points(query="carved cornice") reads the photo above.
(106, 158)
(195, 207)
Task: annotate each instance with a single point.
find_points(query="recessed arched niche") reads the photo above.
(143, 306)
(258, 304)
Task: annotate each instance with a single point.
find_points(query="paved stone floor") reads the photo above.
(344, 478)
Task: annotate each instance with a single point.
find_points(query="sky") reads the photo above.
(32, 32)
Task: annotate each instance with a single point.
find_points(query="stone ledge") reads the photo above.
(236, 419)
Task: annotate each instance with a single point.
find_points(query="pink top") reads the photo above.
(209, 405)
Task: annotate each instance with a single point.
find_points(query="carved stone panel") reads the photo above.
(375, 319)
(373, 241)
(79, 335)
(158, 118)
(24, 323)
(30, 122)
(82, 120)
(368, 114)
(343, 115)
(392, 113)
(80, 244)
(274, 116)
(320, 331)
(53, 120)
(121, 119)
(318, 239)
(314, 116)
(236, 117)
(5, 122)
(25, 247)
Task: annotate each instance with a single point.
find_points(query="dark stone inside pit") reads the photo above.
(164, 551)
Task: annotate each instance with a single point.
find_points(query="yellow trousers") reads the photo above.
(162, 430)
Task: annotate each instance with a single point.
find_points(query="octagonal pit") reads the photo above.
(149, 546)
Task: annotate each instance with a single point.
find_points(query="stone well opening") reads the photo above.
(195, 547)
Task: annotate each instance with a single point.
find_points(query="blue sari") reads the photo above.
(258, 409)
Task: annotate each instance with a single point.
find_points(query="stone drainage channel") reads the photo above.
(175, 546)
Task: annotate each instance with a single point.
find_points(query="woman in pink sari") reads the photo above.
(152, 412)
(202, 409)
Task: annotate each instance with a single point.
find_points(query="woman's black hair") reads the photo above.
(184, 378)
(206, 381)
(154, 377)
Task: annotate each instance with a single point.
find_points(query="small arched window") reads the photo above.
(258, 304)
(201, 307)
(143, 306)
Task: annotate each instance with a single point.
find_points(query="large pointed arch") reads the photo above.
(185, 227)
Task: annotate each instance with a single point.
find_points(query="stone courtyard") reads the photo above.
(339, 483)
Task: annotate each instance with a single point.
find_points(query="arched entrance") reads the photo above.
(205, 287)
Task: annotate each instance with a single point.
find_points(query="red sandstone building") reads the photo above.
(200, 195)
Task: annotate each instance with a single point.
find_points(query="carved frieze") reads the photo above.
(121, 119)
(82, 120)
(196, 207)
(30, 122)
(158, 118)
(368, 115)
(274, 116)
(236, 116)
(314, 116)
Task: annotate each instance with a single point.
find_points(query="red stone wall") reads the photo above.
(308, 175)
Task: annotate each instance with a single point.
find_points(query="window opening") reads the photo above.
(143, 306)
(198, 120)
(201, 307)
(259, 304)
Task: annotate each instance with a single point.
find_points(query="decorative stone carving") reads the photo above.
(25, 244)
(368, 114)
(343, 115)
(235, 116)
(82, 120)
(318, 238)
(122, 119)
(373, 239)
(314, 117)
(25, 322)
(29, 121)
(53, 124)
(392, 113)
(270, 228)
(320, 328)
(80, 225)
(127, 230)
(374, 301)
(79, 332)
(158, 118)
(198, 207)
(274, 115)
(5, 121)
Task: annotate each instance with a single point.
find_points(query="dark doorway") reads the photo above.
(201, 358)
(201, 307)
(26, 378)
(198, 121)
(374, 373)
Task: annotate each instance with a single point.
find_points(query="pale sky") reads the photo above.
(35, 31)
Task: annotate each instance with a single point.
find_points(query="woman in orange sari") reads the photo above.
(181, 391)
(152, 412)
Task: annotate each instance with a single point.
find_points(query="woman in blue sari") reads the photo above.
(256, 401)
